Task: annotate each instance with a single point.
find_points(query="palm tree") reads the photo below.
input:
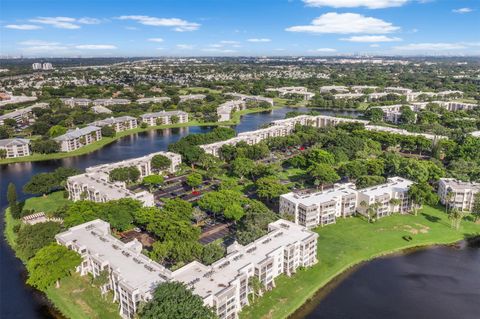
(456, 217)
(256, 286)
(449, 199)
(395, 202)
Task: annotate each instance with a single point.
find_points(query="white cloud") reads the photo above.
(229, 42)
(23, 27)
(155, 40)
(185, 46)
(462, 10)
(371, 4)
(95, 47)
(324, 50)
(178, 25)
(375, 45)
(371, 38)
(428, 47)
(259, 40)
(37, 43)
(44, 48)
(345, 23)
(65, 22)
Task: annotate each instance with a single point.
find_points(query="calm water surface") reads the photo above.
(439, 283)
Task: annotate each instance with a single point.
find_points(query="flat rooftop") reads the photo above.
(394, 183)
(320, 197)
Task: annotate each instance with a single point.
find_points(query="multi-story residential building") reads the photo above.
(382, 195)
(457, 194)
(72, 102)
(154, 99)
(189, 97)
(96, 187)
(111, 101)
(294, 90)
(47, 66)
(74, 139)
(101, 110)
(333, 88)
(320, 208)
(17, 99)
(362, 88)
(164, 117)
(119, 124)
(393, 130)
(23, 116)
(15, 147)
(143, 164)
(475, 134)
(37, 66)
(225, 110)
(224, 285)
(252, 98)
(348, 96)
(399, 90)
(457, 106)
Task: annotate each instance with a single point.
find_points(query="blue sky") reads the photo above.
(238, 27)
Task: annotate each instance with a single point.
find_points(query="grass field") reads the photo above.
(350, 242)
(47, 204)
(78, 299)
(10, 223)
(107, 140)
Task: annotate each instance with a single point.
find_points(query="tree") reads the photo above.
(375, 114)
(323, 174)
(50, 264)
(57, 130)
(421, 193)
(32, 238)
(42, 183)
(407, 116)
(124, 174)
(194, 180)
(476, 206)
(160, 162)
(174, 119)
(108, 131)
(152, 181)
(319, 156)
(178, 208)
(256, 286)
(234, 212)
(394, 202)
(15, 208)
(242, 167)
(3, 153)
(45, 146)
(270, 187)
(212, 252)
(175, 300)
(456, 216)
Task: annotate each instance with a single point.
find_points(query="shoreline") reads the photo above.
(235, 120)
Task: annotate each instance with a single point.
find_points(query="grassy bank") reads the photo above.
(47, 204)
(10, 223)
(350, 242)
(107, 140)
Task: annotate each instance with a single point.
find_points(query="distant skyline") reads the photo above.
(68, 28)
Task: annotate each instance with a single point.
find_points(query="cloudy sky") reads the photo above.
(238, 27)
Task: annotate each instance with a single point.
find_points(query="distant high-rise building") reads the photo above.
(47, 66)
(37, 66)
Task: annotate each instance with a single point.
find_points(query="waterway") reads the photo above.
(442, 275)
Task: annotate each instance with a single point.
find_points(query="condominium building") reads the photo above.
(15, 147)
(74, 139)
(119, 124)
(144, 164)
(190, 97)
(47, 66)
(348, 96)
(101, 110)
(251, 98)
(154, 99)
(223, 286)
(462, 193)
(37, 66)
(393, 130)
(293, 90)
(225, 110)
(164, 117)
(475, 134)
(399, 90)
(333, 88)
(457, 106)
(320, 208)
(362, 88)
(23, 116)
(382, 195)
(111, 101)
(72, 102)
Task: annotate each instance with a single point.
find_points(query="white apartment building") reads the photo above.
(154, 99)
(37, 66)
(96, 187)
(164, 117)
(393, 130)
(72, 102)
(101, 110)
(362, 88)
(348, 96)
(74, 139)
(463, 193)
(320, 208)
(475, 134)
(47, 66)
(399, 90)
(110, 101)
(224, 285)
(23, 116)
(143, 164)
(252, 98)
(457, 106)
(333, 88)
(225, 110)
(15, 147)
(119, 124)
(395, 188)
(189, 97)
(294, 90)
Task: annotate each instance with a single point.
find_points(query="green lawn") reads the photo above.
(78, 299)
(350, 242)
(47, 204)
(10, 223)
(107, 140)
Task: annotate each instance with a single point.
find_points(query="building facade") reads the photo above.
(454, 193)
(15, 147)
(164, 118)
(74, 139)
(119, 124)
